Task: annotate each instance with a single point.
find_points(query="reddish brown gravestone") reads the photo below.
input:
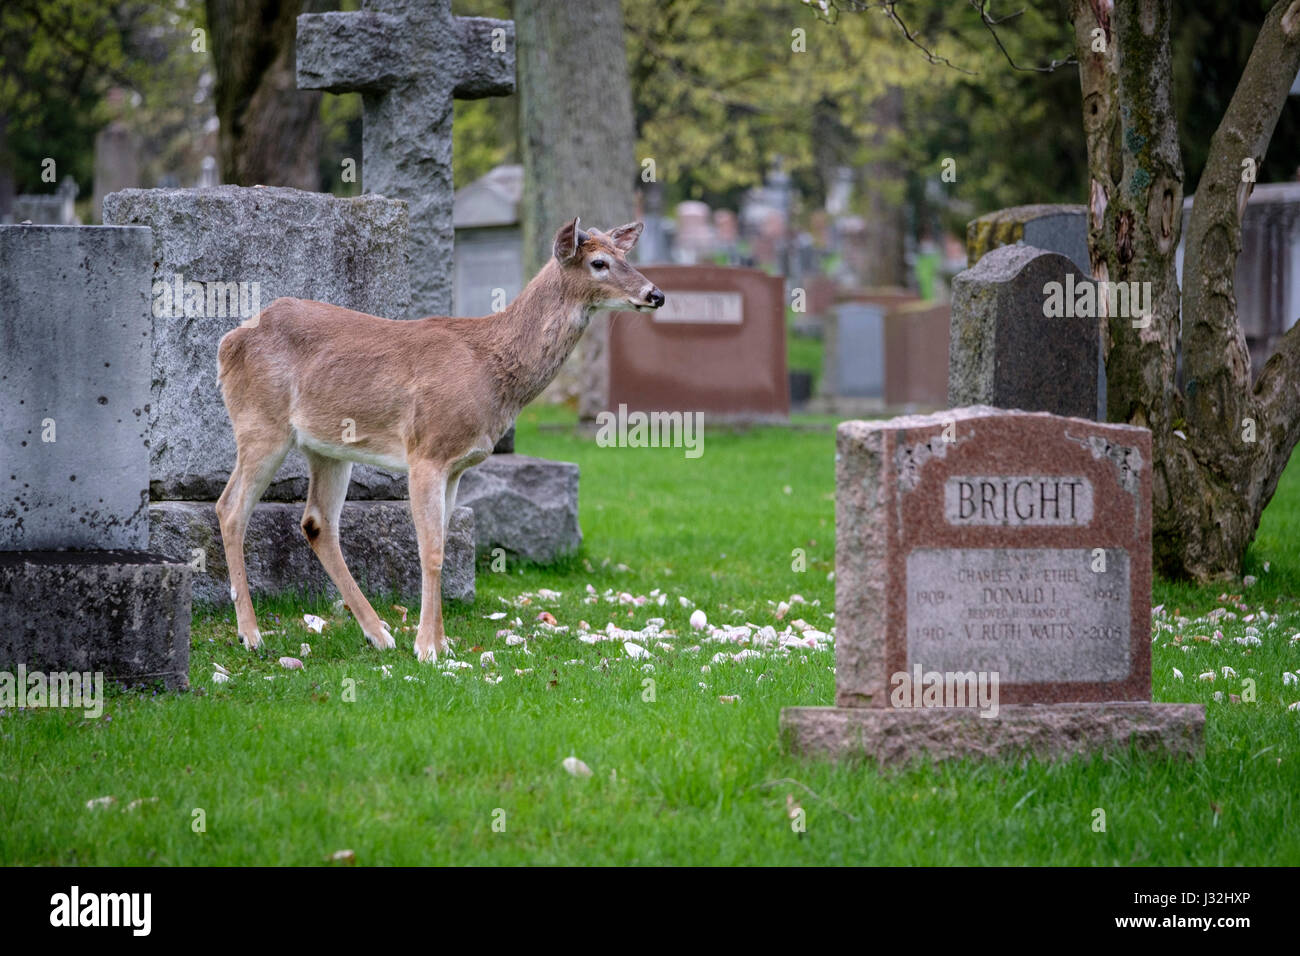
(1004, 550)
(916, 355)
(974, 548)
(716, 346)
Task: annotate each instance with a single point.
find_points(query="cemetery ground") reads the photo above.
(281, 767)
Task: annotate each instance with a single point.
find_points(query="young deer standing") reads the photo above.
(429, 397)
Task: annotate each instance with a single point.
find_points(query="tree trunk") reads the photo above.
(577, 140)
(270, 131)
(883, 180)
(1219, 448)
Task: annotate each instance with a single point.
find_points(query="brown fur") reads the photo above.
(432, 394)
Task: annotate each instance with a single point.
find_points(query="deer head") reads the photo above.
(597, 263)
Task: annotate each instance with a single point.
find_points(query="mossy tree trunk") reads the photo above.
(1219, 444)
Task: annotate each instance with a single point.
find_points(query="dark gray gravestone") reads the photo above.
(409, 58)
(1006, 352)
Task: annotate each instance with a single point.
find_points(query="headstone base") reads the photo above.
(527, 506)
(377, 538)
(123, 613)
(892, 736)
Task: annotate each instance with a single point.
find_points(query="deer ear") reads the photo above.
(625, 237)
(568, 239)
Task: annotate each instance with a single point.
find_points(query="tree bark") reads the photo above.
(577, 140)
(270, 131)
(1209, 484)
(883, 182)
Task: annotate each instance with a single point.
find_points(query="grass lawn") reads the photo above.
(405, 763)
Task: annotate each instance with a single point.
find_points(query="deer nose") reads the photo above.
(655, 298)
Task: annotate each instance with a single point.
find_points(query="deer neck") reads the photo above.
(536, 334)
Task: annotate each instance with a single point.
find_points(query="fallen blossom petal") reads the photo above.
(314, 623)
(699, 620)
(576, 767)
(291, 663)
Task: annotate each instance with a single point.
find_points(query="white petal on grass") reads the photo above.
(291, 663)
(634, 650)
(576, 767)
(495, 615)
(487, 659)
(220, 669)
(1207, 676)
(1178, 675)
(99, 803)
(313, 622)
(1228, 672)
(304, 650)
(699, 620)
(1288, 679)
(220, 678)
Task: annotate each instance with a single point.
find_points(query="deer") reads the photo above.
(430, 397)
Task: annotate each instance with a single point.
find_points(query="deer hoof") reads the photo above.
(384, 641)
(426, 654)
(251, 643)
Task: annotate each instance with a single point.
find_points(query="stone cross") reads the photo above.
(409, 59)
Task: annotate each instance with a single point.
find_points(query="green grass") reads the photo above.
(415, 766)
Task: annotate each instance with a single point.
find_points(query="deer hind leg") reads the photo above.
(326, 492)
(256, 462)
(428, 484)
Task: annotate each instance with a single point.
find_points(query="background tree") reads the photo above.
(1219, 441)
(577, 141)
(58, 61)
(270, 130)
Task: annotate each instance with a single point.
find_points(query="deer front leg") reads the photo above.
(428, 484)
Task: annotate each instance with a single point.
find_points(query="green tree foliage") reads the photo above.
(59, 59)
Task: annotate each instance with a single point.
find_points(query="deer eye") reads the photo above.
(599, 264)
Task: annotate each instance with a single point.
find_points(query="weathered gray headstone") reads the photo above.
(409, 59)
(993, 591)
(74, 370)
(1057, 228)
(220, 256)
(1005, 350)
(78, 592)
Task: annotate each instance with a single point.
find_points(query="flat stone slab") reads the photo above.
(377, 538)
(125, 614)
(892, 736)
(74, 387)
(527, 506)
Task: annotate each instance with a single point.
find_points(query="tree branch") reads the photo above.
(1214, 244)
(829, 10)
